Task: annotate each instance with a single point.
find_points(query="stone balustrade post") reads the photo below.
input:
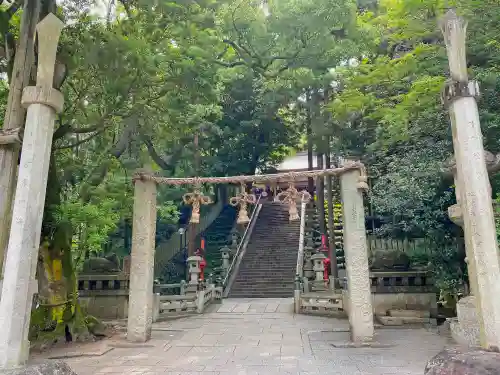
(305, 283)
(156, 307)
(308, 263)
(200, 301)
(234, 242)
(225, 254)
(142, 262)
(356, 258)
(183, 287)
(43, 102)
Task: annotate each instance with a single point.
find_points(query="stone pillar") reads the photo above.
(42, 102)
(476, 204)
(356, 258)
(456, 215)
(142, 262)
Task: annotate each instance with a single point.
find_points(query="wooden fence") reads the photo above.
(406, 245)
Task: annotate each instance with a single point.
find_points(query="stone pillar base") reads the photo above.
(465, 328)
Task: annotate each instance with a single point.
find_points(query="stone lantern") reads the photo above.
(194, 269)
(318, 266)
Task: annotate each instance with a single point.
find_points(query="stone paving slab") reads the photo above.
(261, 337)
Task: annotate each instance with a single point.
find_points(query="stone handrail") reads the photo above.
(167, 250)
(173, 304)
(300, 255)
(161, 288)
(189, 303)
(232, 270)
(207, 296)
(299, 270)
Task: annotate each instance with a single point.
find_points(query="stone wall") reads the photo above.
(104, 296)
(410, 290)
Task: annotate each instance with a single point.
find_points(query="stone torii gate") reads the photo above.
(353, 183)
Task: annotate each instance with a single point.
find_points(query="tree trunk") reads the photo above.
(57, 282)
(310, 165)
(329, 198)
(320, 189)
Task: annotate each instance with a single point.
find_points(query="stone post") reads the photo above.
(200, 301)
(308, 251)
(42, 102)
(182, 287)
(142, 262)
(225, 254)
(156, 306)
(234, 241)
(356, 258)
(476, 204)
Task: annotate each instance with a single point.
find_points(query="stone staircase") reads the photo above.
(269, 263)
(216, 235)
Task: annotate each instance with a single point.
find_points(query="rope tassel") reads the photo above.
(242, 199)
(196, 199)
(362, 180)
(290, 196)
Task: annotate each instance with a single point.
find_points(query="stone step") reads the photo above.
(268, 274)
(261, 295)
(401, 320)
(268, 267)
(409, 313)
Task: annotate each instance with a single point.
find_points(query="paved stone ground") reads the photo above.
(244, 337)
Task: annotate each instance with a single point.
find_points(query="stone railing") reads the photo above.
(167, 250)
(207, 296)
(185, 302)
(401, 290)
(231, 271)
(299, 269)
(104, 296)
(327, 303)
(177, 304)
(171, 289)
(402, 282)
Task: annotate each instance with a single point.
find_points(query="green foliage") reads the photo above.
(4, 92)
